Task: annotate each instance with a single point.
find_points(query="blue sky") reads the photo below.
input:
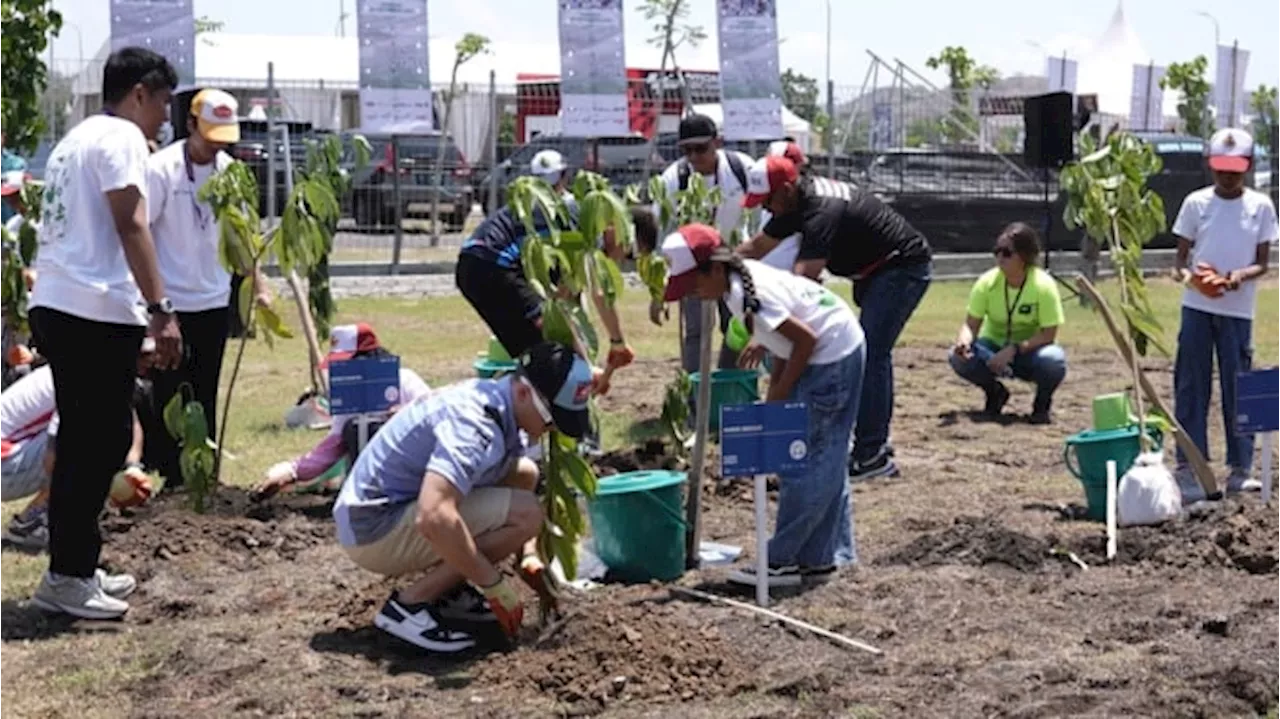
(1002, 33)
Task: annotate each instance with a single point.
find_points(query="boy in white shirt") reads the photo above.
(1224, 235)
(186, 237)
(98, 293)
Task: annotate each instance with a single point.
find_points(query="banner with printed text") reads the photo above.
(593, 69)
(750, 82)
(1229, 96)
(395, 84)
(1146, 102)
(167, 27)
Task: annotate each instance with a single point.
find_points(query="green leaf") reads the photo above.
(173, 416)
(244, 302)
(1148, 325)
(609, 276)
(585, 329)
(555, 324)
(195, 426)
(273, 324)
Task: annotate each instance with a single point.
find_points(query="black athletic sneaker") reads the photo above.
(464, 604)
(881, 465)
(997, 397)
(29, 530)
(818, 575)
(419, 625)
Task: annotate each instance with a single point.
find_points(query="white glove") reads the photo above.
(282, 473)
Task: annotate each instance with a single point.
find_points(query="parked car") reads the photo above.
(255, 151)
(374, 187)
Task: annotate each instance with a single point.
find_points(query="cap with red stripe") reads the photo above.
(1230, 150)
(684, 250)
(766, 175)
(789, 150)
(347, 341)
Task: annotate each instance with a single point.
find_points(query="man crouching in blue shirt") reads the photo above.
(444, 488)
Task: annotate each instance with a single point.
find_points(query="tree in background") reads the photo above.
(26, 27)
(468, 48)
(800, 94)
(1187, 78)
(1263, 104)
(671, 29)
(963, 73)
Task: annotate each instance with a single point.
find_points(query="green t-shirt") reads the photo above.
(1032, 307)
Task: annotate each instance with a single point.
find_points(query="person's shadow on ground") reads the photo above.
(451, 671)
(20, 620)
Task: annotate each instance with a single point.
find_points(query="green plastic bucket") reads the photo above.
(638, 524)
(1111, 411)
(1092, 449)
(729, 386)
(488, 369)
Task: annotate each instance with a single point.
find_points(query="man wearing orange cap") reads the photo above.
(186, 236)
(1225, 232)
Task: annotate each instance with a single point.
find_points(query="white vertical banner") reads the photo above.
(1229, 96)
(1146, 102)
(1062, 74)
(167, 27)
(750, 81)
(882, 126)
(593, 69)
(395, 81)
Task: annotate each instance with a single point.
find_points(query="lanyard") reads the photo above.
(1010, 308)
(191, 178)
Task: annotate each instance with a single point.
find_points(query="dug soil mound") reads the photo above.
(612, 654)
(233, 530)
(975, 541)
(650, 455)
(1238, 533)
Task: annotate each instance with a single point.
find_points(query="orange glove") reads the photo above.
(20, 355)
(534, 573)
(600, 380)
(1207, 281)
(506, 605)
(620, 355)
(130, 487)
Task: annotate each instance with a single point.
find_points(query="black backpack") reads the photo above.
(735, 165)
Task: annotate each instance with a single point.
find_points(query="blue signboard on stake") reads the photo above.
(364, 384)
(763, 438)
(1258, 401)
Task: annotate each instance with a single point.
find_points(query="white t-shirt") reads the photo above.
(27, 408)
(185, 230)
(729, 215)
(784, 255)
(783, 295)
(80, 261)
(1225, 234)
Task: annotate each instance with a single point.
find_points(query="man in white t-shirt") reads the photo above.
(1224, 235)
(700, 143)
(98, 293)
(186, 237)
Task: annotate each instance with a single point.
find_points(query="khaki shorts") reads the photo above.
(404, 550)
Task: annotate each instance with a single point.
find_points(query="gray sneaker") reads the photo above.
(1240, 481)
(1189, 486)
(29, 530)
(78, 597)
(116, 585)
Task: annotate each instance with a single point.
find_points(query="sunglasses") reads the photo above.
(1004, 252)
(697, 149)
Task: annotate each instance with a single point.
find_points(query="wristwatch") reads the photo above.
(163, 306)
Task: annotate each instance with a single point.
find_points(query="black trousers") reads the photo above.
(204, 337)
(94, 366)
(504, 299)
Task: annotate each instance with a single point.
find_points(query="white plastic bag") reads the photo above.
(1148, 493)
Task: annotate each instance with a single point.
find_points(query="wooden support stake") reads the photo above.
(308, 330)
(1201, 468)
(838, 638)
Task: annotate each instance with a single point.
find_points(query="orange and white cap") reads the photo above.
(217, 116)
(1230, 150)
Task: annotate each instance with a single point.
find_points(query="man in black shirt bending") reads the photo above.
(852, 234)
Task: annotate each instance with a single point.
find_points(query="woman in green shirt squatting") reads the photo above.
(1014, 312)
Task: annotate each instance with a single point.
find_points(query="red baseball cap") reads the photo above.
(766, 175)
(684, 250)
(347, 341)
(1230, 150)
(789, 150)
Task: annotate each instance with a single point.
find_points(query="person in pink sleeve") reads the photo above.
(303, 473)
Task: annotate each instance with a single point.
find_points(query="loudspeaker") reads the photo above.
(1048, 121)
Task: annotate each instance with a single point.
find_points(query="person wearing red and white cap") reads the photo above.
(852, 234)
(818, 356)
(345, 342)
(187, 237)
(1224, 232)
(783, 256)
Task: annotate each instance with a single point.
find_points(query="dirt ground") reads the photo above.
(964, 582)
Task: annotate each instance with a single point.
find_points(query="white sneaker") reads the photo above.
(778, 576)
(78, 597)
(116, 585)
(1189, 486)
(1240, 481)
(418, 625)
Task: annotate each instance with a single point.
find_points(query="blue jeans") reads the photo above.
(1046, 367)
(1202, 335)
(887, 299)
(815, 509)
